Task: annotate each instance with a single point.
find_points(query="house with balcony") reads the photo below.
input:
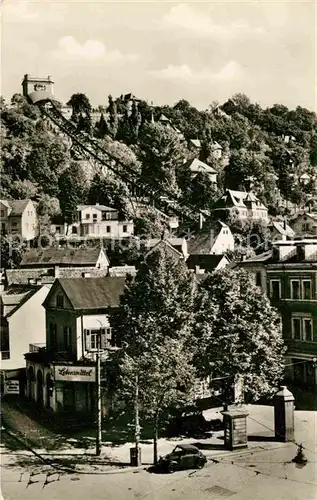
(288, 275)
(246, 205)
(94, 221)
(18, 218)
(62, 375)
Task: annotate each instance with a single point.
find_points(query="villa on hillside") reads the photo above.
(18, 218)
(246, 205)
(94, 221)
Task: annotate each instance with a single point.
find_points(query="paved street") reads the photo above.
(264, 471)
(265, 474)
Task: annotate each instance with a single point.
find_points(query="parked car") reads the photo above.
(184, 456)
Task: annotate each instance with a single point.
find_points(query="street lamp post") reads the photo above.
(98, 386)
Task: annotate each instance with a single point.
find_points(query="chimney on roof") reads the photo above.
(56, 271)
(284, 224)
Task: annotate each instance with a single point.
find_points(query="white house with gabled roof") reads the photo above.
(245, 204)
(95, 221)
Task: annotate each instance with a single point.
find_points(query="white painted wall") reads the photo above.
(223, 242)
(26, 326)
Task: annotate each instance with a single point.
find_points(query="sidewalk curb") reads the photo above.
(246, 451)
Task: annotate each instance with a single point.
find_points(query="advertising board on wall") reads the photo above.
(75, 373)
(11, 387)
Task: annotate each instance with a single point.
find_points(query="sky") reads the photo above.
(164, 51)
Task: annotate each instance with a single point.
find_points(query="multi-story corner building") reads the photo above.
(95, 221)
(61, 376)
(288, 274)
(246, 205)
(18, 218)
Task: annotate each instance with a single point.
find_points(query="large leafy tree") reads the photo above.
(161, 154)
(153, 328)
(81, 111)
(238, 334)
(72, 191)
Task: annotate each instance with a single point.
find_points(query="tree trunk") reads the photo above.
(155, 438)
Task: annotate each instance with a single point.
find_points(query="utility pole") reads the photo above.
(137, 422)
(98, 383)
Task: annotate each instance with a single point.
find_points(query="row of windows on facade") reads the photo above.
(91, 229)
(92, 337)
(3, 214)
(300, 289)
(252, 213)
(104, 216)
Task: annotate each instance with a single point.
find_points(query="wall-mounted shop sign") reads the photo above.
(75, 373)
(11, 387)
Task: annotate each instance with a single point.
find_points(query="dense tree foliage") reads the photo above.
(238, 334)
(274, 147)
(153, 327)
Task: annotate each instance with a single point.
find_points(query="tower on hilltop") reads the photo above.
(33, 84)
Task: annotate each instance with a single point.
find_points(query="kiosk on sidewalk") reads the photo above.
(235, 429)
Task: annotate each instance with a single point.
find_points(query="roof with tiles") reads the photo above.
(196, 165)
(17, 206)
(60, 256)
(91, 293)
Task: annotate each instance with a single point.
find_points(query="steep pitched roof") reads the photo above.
(285, 231)
(196, 166)
(167, 246)
(196, 142)
(91, 293)
(237, 199)
(26, 298)
(61, 256)
(17, 206)
(164, 118)
(13, 299)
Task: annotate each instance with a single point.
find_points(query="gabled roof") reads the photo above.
(197, 166)
(215, 145)
(237, 199)
(196, 142)
(164, 118)
(61, 256)
(26, 298)
(90, 293)
(17, 206)
(284, 231)
(311, 215)
(203, 242)
(167, 246)
(205, 261)
(13, 299)
(102, 208)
